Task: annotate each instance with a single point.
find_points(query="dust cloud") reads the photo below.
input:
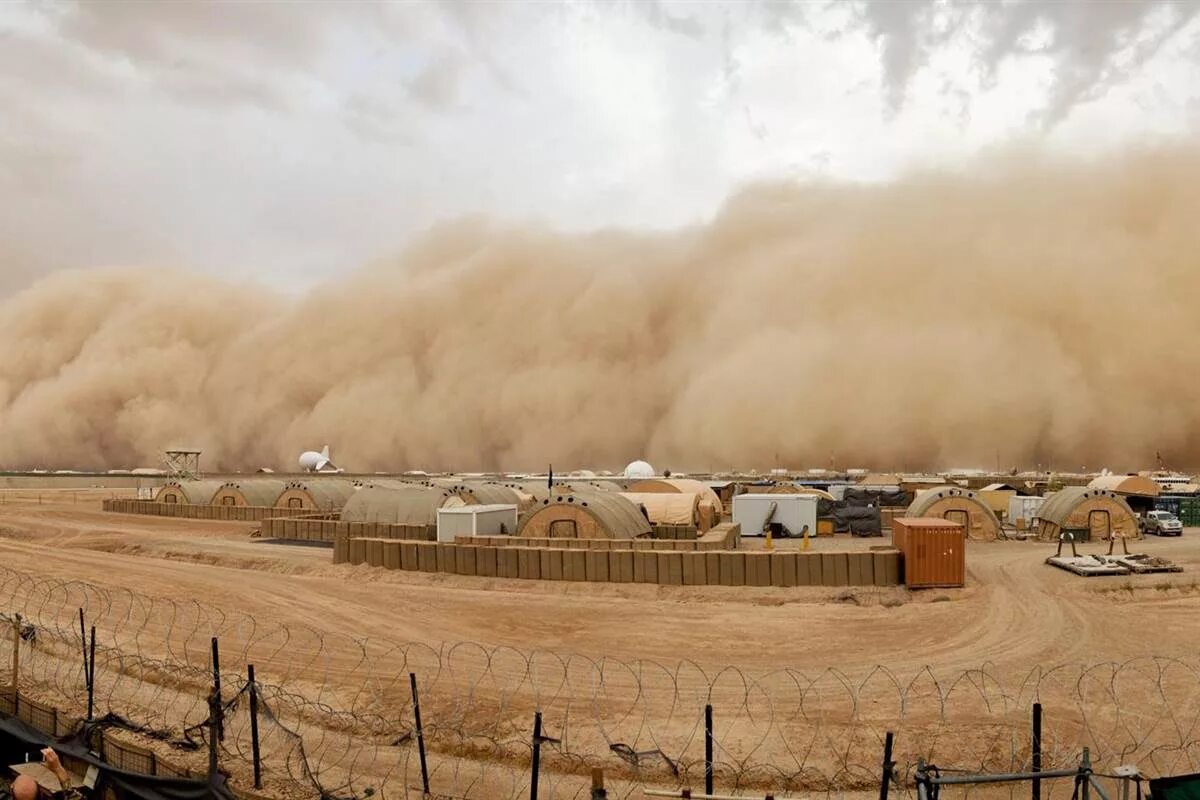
(1019, 311)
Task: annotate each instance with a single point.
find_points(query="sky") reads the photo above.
(289, 143)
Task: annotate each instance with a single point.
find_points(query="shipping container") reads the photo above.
(934, 551)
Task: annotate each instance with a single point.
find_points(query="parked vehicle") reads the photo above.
(1162, 523)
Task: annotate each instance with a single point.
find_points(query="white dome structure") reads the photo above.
(639, 469)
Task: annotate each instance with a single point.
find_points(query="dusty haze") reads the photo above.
(1020, 311)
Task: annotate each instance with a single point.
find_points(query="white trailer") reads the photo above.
(1023, 508)
(792, 512)
(483, 520)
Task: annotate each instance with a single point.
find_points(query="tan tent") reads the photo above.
(595, 515)
(959, 505)
(668, 509)
(261, 493)
(791, 488)
(880, 479)
(316, 494)
(1087, 514)
(678, 486)
(486, 494)
(197, 493)
(408, 506)
(1126, 484)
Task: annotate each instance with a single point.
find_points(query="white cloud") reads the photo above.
(288, 142)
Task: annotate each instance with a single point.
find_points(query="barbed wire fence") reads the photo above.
(336, 718)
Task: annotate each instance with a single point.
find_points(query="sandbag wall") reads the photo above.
(326, 530)
(664, 567)
(197, 511)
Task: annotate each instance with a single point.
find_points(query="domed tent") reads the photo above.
(316, 495)
(711, 507)
(486, 494)
(197, 493)
(408, 506)
(1087, 514)
(960, 505)
(594, 515)
(1137, 490)
(638, 470)
(668, 509)
(261, 493)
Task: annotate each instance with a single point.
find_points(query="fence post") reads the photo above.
(1036, 754)
(412, 680)
(708, 749)
(887, 767)
(537, 755)
(254, 751)
(598, 792)
(91, 677)
(16, 667)
(216, 668)
(214, 715)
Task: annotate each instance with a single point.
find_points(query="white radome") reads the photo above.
(639, 469)
(313, 461)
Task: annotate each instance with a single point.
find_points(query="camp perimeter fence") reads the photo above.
(335, 714)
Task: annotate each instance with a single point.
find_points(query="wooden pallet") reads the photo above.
(1087, 566)
(1143, 564)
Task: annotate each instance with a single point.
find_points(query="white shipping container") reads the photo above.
(487, 520)
(793, 511)
(1025, 508)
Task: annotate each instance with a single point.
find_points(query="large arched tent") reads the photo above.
(960, 505)
(489, 494)
(407, 506)
(668, 509)
(197, 493)
(791, 488)
(261, 493)
(594, 515)
(316, 495)
(711, 507)
(1087, 514)
(1139, 491)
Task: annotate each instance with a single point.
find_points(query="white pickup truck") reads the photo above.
(1162, 523)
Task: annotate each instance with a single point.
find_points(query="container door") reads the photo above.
(1099, 525)
(563, 529)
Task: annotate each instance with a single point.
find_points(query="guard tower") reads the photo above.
(183, 465)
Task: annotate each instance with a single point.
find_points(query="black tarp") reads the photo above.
(18, 738)
(856, 520)
(859, 497)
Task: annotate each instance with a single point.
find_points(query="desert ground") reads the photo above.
(1016, 617)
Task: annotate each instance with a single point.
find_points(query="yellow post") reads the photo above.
(807, 539)
(770, 545)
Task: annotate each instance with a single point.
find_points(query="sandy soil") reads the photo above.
(1016, 614)
(1015, 611)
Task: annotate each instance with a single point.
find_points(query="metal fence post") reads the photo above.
(708, 749)
(254, 749)
(16, 663)
(887, 767)
(537, 756)
(1036, 755)
(412, 679)
(216, 669)
(91, 677)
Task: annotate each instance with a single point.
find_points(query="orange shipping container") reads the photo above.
(935, 551)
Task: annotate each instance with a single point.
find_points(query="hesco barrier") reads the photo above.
(723, 537)
(673, 532)
(206, 512)
(122, 755)
(663, 567)
(326, 530)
